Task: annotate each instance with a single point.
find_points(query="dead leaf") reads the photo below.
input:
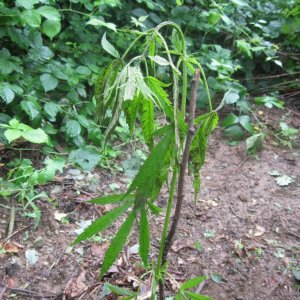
(181, 244)
(10, 248)
(259, 230)
(10, 282)
(76, 286)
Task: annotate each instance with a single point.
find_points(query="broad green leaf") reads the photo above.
(234, 132)
(6, 93)
(192, 283)
(36, 136)
(51, 109)
(32, 108)
(245, 121)
(269, 101)
(97, 22)
(148, 121)
(240, 3)
(245, 47)
(159, 60)
(51, 28)
(230, 120)
(73, 128)
(109, 47)
(28, 4)
(144, 237)
(102, 223)
(231, 98)
(254, 143)
(112, 199)
(12, 134)
(52, 166)
(31, 18)
(117, 243)
(86, 157)
(49, 12)
(213, 17)
(49, 82)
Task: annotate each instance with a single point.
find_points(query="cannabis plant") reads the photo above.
(129, 84)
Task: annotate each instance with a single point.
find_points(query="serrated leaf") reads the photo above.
(37, 136)
(144, 237)
(51, 28)
(254, 143)
(112, 199)
(73, 128)
(49, 82)
(109, 47)
(31, 18)
(6, 93)
(159, 60)
(148, 122)
(102, 223)
(31, 107)
(51, 109)
(130, 109)
(119, 291)
(192, 283)
(117, 243)
(49, 12)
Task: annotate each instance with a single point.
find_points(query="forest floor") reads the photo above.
(243, 233)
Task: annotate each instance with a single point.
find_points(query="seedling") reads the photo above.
(130, 85)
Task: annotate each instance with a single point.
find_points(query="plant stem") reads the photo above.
(181, 180)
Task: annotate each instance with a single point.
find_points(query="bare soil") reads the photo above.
(243, 233)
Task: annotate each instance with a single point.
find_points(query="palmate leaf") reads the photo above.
(198, 148)
(148, 122)
(102, 223)
(144, 237)
(117, 243)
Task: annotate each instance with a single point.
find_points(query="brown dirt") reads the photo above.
(244, 229)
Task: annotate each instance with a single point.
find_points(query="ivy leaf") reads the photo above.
(49, 82)
(117, 244)
(144, 237)
(108, 47)
(51, 28)
(49, 12)
(159, 60)
(102, 223)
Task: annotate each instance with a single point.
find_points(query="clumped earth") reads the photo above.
(243, 233)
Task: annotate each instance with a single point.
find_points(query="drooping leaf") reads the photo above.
(100, 23)
(108, 47)
(159, 60)
(117, 243)
(148, 122)
(130, 109)
(102, 223)
(144, 237)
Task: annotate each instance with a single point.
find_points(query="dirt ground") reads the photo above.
(243, 233)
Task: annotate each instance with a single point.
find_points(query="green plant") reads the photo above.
(133, 88)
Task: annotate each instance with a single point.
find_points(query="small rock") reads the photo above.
(243, 197)
(39, 242)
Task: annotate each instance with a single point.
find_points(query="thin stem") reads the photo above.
(76, 12)
(132, 44)
(184, 85)
(181, 180)
(167, 220)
